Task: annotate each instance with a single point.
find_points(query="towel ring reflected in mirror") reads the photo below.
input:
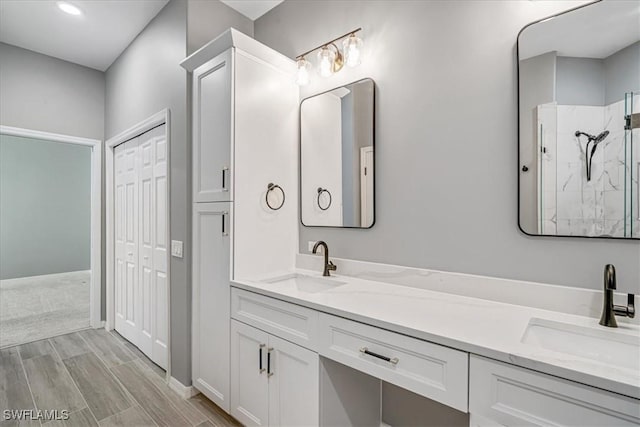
(320, 191)
(273, 187)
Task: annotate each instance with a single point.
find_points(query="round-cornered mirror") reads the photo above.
(579, 136)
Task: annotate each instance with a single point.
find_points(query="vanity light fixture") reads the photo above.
(330, 57)
(69, 8)
(304, 68)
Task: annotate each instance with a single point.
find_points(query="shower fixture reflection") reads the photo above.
(588, 157)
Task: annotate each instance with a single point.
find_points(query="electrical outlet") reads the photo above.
(176, 248)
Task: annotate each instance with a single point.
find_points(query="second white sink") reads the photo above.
(305, 283)
(609, 346)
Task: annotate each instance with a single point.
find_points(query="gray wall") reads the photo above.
(48, 94)
(580, 81)
(145, 79)
(446, 148)
(45, 207)
(206, 19)
(622, 73)
(537, 86)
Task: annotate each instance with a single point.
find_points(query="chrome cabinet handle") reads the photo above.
(269, 372)
(224, 181)
(260, 351)
(224, 228)
(393, 361)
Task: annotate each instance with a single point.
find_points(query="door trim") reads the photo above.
(162, 117)
(95, 289)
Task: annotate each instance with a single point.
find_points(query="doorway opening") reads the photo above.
(50, 221)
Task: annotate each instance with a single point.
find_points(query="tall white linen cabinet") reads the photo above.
(245, 137)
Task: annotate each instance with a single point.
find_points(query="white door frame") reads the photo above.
(95, 289)
(162, 117)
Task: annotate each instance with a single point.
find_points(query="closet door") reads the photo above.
(212, 125)
(211, 296)
(126, 247)
(152, 284)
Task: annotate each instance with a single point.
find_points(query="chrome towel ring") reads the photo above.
(320, 191)
(272, 187)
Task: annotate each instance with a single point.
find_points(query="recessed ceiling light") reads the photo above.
(69, 8)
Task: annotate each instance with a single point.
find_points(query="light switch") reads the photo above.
(176, 248)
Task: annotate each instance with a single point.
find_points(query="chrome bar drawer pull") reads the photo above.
(393, 361)
(269, 371)
(224, 181)
(261, 368)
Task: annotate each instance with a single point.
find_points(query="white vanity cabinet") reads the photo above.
(505, 395)
(212, 129)
(210, 321)
(275, 382)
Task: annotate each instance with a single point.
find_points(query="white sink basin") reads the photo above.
(606, 345)
(305, 283)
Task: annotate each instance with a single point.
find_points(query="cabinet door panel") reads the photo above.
(513, 396)
(250, 390)
(293, 385)
(211, 296)
(212, 130)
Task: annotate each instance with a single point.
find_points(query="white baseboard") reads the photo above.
(183, 391)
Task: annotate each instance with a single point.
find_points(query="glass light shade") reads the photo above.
(304, 69)
(326, 60)
(352, 47)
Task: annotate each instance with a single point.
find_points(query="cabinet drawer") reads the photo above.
(510, 395)
(436, 372)
(289, 321)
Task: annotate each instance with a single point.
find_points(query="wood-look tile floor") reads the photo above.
(101, 380)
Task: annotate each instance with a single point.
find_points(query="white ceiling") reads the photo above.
(252, 9)
(94, 39)
(595, 31)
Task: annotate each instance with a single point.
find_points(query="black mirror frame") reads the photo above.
(518, 130)
(375, 163)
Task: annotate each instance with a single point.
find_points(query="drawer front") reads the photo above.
(436, 372)
(282, 319)
(510, 396)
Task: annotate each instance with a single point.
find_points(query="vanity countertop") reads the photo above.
(483, 327)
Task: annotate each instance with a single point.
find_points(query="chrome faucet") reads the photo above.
(609, 310)
(328, 265)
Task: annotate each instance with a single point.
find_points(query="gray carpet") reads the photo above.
(35, 308)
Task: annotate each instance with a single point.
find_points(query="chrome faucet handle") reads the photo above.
(331, 266)
(629, 310)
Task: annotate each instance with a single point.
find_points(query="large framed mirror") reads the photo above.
(579, 136)
(337, 157)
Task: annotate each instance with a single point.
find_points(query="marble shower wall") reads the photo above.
(571, 205)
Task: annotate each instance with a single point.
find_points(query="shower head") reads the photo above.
(598, 139)
(592, 138)
(589, 155)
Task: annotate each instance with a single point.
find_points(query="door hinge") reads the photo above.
(632, 121)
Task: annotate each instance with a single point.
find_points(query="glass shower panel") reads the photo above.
(631, 167)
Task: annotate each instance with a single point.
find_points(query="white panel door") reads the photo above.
(250, 391)
(160, 253)
(126, 256)
(293, 385)
(211, 296)
(141, 280)
(366, 186)
(145, 243)
(212, 130)
(152, 284)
